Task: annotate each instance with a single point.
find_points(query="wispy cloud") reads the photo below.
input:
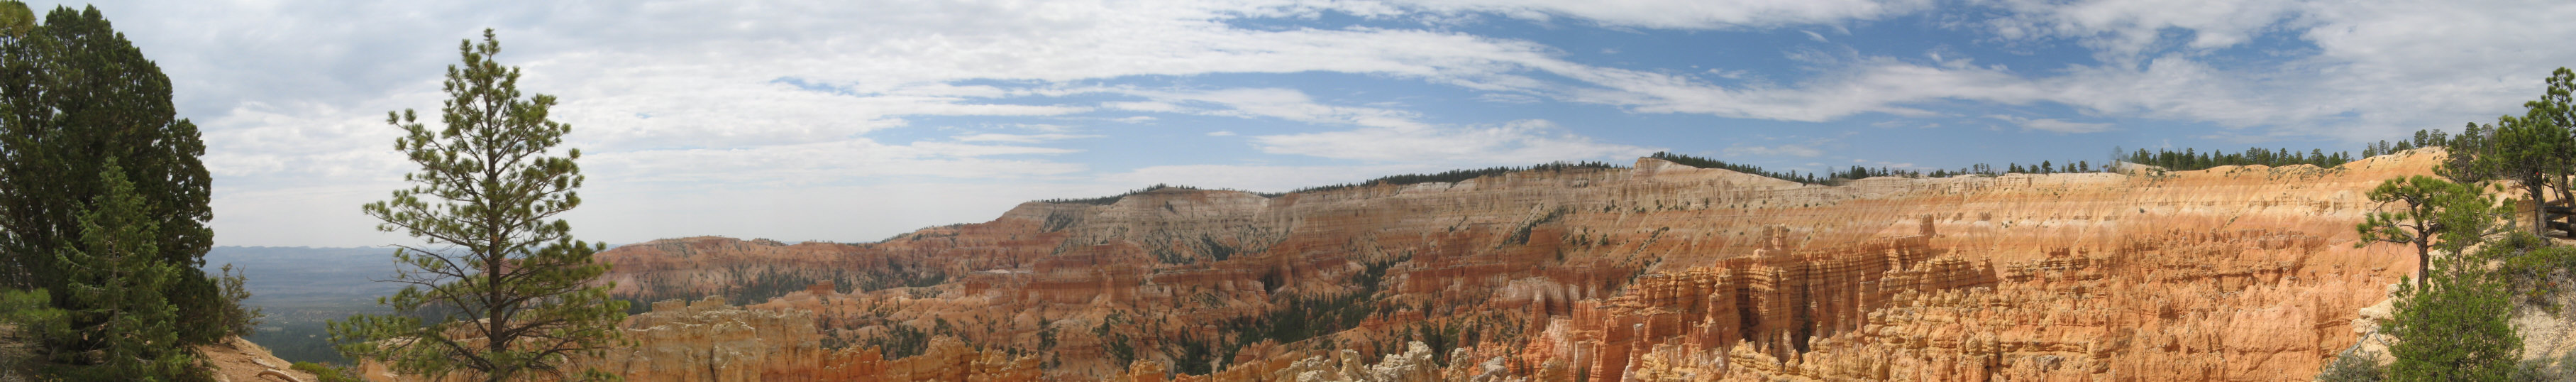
(2053, 125)
(1517, 142)
(1019, 138)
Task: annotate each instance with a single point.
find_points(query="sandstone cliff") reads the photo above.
(1657, 272)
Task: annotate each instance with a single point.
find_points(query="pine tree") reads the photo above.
(2429, 209)
(2529, 152)
(2454, 327)
(2461, 165)
(115, 278)
(2556, 107)
(511, 286)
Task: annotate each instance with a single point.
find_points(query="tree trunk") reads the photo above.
(2539, 206)
(2423, 257)
(2566, 194)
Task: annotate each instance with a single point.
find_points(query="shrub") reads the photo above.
(2354, 366)
(326, 373)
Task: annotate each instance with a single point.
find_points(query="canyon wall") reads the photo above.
(1658, 272)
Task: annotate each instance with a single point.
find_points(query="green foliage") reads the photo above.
(2429, 209)
(899, 341)
(75, 95)
(27, 317)
(1297, 318)
(2461, 165)
(1216, 249)
(2534, 150)
(753, 286)
(327, 373)
(2354, 366)
(2190, 159)
(2453, 327)
(15, 19)
(1190, 356)
(230, 292)
(2532, 267)
(506, 293)
(1521, 235)
(114, 282)
(1858, 172)
(2527, 152)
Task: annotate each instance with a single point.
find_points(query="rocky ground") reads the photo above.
(237, 360)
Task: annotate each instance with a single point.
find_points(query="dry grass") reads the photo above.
(13, 355)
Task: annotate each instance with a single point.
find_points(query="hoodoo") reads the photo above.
(1659, 272)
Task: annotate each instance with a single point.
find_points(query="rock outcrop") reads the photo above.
(711, 341)
(1658, 272)
(239, 360)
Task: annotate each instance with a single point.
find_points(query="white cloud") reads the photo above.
(1019, 138)
(1516, 143)
(1046, 127)
(843, 213)
(1514, 98)
(824, 163)
(1220, 133)
(1674, 14)
(290, 93)
(1288, 104)
(2122, 31)
(2378, 68)
(2053, 125)
(1158, 107)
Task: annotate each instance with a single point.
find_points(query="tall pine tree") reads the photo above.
(505, 287)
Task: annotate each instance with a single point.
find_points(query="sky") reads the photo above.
(852, 121)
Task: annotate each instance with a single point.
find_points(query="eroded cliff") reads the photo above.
(1657, 272)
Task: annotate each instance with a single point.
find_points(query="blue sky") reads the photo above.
(853, 121)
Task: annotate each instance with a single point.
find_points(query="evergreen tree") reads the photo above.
(2528, 152)
(115, 280)
(510, 286)
(2554, 109)
(2429, 209)
(2461, 164)
(85, 120)
(2454, 327)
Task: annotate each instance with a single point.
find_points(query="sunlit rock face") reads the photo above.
(1659, 272)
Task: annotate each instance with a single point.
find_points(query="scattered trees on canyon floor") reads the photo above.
(500, 290)
(103, 205)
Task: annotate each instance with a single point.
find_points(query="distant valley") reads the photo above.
(301, 287)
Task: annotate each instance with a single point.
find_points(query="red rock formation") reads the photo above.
(711, 341)
(1660, 272)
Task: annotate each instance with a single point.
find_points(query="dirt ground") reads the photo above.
(238, 360)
